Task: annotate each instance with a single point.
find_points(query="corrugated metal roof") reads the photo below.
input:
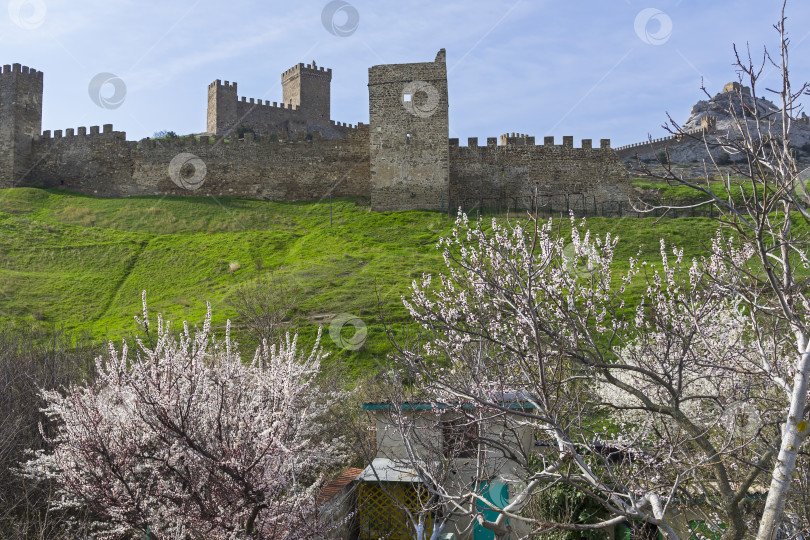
(509, 401)
(387, 470)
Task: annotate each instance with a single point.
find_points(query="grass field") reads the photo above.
(682, 195)
(81, 262)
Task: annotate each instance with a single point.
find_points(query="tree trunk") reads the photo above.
(501, 532)
(438, 528)
(793, 434)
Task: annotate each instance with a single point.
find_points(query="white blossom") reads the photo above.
(187, 439)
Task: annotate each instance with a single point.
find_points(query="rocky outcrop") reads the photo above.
(720, 116)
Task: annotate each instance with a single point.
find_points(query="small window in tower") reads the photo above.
(407, 138)
(407, 98)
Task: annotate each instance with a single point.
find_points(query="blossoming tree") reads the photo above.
(642, 408)
(763, 261)
(184, 439)
(695, 396)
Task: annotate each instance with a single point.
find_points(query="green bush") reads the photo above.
(241, 129)
(562, 503)
(164, 134)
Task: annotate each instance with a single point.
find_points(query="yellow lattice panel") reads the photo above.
(382, 513)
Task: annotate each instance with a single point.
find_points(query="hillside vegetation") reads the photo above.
(81, 262)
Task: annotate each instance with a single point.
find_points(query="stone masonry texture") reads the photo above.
(293, 151)
(408, 118)
(20, 121)
(522, 175)
(288, 170)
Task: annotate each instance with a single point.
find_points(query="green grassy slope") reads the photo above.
(82, 262)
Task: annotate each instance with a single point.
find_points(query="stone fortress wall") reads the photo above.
(294, 169)
(650, 146)
(521, 174)
(292, 151)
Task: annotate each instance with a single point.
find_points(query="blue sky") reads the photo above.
(577, 67)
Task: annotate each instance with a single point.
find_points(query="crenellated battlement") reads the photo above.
(266, 103)
(308, 69)
(219, 84)
(358, 125)
(82, 132)
(708, 124)
(521, 139)
(9, 69)
(515, 138)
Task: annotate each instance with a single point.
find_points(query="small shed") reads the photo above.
(387, 490)
(337, 503)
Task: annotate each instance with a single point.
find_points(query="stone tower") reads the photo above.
(736, 87)
(20, 120)
(222, 98)
(708, 123)
(409, 136)
(308, 87)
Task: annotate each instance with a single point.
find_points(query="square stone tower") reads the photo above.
(222, 103)
(409, 135)
(308, 87)
(20, 120)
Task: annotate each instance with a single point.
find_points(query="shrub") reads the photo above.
(183, 439)
(163, 134)
(562, 503)
(241, 129)
(32, 358)
(265, 306)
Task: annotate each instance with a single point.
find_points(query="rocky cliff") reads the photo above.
(721, 116)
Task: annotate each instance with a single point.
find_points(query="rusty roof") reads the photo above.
(337, 485)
